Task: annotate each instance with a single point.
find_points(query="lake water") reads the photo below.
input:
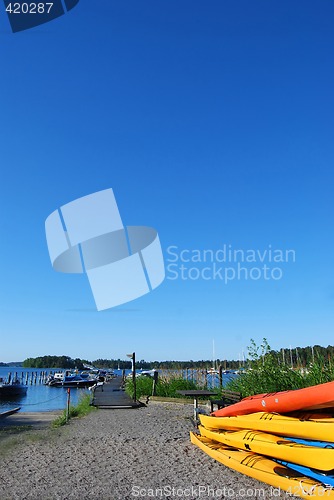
(39, 397)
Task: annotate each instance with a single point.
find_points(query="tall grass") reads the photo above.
(79, 410)
(164, 387)
(267, 373)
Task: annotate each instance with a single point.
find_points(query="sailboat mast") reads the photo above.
(291, 357)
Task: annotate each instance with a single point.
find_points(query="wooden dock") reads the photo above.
(111, 395)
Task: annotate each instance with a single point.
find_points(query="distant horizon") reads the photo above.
(208, 360)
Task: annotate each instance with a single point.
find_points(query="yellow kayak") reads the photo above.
(263, 469)
(319, 430)
(274, 446)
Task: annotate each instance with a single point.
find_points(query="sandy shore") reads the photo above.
(36, 420)
(118, 455)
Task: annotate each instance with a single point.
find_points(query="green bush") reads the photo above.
(164, 388)
(319, 372)
(267, 373)
(80, 410)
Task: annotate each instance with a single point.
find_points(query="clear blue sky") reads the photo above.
(213, 123)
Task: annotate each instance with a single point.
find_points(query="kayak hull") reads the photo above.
(318, 430)
(317, 397)
(262, 469)
(274, 446)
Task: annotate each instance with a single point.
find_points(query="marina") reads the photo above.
(38, 396)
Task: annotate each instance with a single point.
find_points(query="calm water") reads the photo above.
(39, 397)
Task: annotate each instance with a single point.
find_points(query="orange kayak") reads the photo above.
(312, 398)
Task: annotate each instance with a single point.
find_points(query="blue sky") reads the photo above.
(213, 123)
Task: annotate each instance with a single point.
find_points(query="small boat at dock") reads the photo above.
(72, 379)
(9, 412)
(12, 389)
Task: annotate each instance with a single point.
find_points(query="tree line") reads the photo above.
(54, 362)
(296, 357)
(304, 356)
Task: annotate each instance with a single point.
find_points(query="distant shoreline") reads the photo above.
(19, 364)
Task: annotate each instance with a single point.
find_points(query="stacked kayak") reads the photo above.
(316, 429)
(264, 469)
(294, 451)
(312, 398)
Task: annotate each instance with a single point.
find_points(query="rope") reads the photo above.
(310, 491)
(40, 402)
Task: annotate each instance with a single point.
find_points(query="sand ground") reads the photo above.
(119, 455)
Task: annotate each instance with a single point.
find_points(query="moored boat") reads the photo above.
(70, 379)
(12, 389)
(9, 412)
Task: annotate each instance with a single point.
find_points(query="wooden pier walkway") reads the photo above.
(111, 395)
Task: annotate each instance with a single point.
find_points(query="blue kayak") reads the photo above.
(310, 442)
(316, 474)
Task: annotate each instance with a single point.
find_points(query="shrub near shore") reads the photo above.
(269, 373)
(164, 387)
(80, 410)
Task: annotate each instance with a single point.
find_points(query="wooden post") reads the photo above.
(134, 376)
(68, 404)
(204, 379)
(133, 361)
(195, 410)
(155, 380)
(220, 376)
